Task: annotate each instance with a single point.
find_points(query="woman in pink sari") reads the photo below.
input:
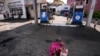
(55, 48)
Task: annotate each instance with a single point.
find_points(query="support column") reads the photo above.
(35, 10)
(92, 7)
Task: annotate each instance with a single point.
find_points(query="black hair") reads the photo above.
(58, 40)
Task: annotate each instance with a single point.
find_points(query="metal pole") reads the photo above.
(92, 7)
(35, 11)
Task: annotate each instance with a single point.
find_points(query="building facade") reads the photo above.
(87, 6)
(97, 6)
(15, 7)
(20, 7)
(2, 7)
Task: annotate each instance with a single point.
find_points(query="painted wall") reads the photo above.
(70, 2)
(87, 6)
(23, 6)
(97, 7)
(30, 2)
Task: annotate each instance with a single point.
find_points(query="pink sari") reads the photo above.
(55, 46)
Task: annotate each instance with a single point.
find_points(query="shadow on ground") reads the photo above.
(15, 20)
(32, 40)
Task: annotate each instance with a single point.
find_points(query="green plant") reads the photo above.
(96, 15)
(85, 14)
(99, 16)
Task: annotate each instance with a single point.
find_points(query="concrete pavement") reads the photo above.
(30, 40)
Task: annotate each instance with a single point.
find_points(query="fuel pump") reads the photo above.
(78, 15)
(44, 13)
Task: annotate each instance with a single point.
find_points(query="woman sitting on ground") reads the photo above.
(57, 47)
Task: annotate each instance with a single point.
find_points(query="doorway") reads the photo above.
(28, 13)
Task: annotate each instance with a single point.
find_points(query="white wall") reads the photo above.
(28, 1)
(23, 6)
(31, 1)
(1, 14)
